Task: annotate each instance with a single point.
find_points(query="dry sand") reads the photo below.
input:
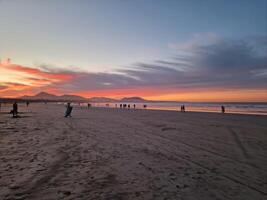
(106, 153)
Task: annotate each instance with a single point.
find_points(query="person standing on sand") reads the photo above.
(15, 109)
(68, 111)
(223, 109)
(134, 106)
(27, 103)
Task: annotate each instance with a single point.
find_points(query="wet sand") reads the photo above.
(104, 153)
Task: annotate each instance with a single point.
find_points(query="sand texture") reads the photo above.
(105, 153)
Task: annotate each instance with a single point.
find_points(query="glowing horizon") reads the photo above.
(178, 52)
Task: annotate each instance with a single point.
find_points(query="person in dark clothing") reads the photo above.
(129, 106)
(134, 106)
(15, 109)
(88, 105)
(223, 109)
(68, 111)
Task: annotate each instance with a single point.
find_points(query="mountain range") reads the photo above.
(52, 97)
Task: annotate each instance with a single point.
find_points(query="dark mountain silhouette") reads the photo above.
(52, 97)
(66, 97)
(133, 99)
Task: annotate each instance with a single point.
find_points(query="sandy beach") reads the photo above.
(106, 153)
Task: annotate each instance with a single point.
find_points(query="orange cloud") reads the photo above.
(17, 79)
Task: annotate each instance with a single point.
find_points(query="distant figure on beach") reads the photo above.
(120, 105)
(68, 111)
(15, 109)
(124, 105)
(134, 106)
(88, 105)
(27, 103)
(182, 108)
(129, 106)
(145, 106)
(223, 109)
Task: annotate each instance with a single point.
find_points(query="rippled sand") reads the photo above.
(104, 153)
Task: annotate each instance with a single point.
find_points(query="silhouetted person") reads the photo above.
(182, 108)
(145, 106)
(15, 109)
(120, 105)
(27, 103)
(129, 106)
(223, 109)
(134, 106)
(68, 111)
(88, 105)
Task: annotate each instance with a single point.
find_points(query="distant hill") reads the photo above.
(101, 99)
(133, 99)
(51, 97)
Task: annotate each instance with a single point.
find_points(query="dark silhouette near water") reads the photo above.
(134, 106)
(223, 109)
(182, 108)
(129, 106)
(145, 106)
(120, 105)
(68, 111)
(15, 110)
(88, 105)
(27, 103)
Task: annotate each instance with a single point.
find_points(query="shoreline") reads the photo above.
(148, 109)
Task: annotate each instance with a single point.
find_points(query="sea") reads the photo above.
(240, 108)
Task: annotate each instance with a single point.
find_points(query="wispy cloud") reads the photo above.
(199, 64)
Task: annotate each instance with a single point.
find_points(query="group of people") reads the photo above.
(126, 106)
(182, 108)
(14, 111)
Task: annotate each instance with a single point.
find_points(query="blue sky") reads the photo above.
(100, 35)
(123, 45)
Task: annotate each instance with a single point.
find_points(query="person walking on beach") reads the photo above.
(15, 109)
(88, 105)
(134, 106)
(68, 111)
(182, 108)
(223, 109)
(27, 103)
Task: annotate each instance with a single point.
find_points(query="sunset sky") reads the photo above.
(183, 50)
